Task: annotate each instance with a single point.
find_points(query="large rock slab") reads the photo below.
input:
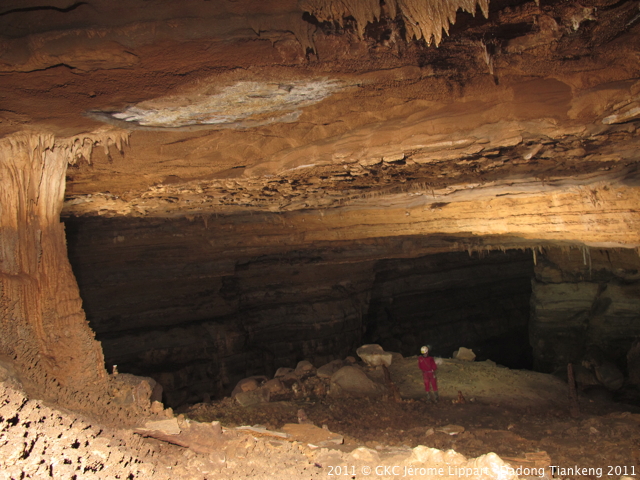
(248, 384)
(353, 381)
(465, 354)
(310, 434)
(127, 389)
(374, 355)
(166, 427)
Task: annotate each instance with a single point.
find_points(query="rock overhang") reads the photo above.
(270, 110)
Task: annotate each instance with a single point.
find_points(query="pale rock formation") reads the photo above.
(374, 355)
(465, 354)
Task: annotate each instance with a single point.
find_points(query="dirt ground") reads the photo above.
(508, 412)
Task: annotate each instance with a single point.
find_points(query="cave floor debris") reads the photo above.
(40, 441)
(513, 413)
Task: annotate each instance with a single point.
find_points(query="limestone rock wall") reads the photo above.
(166, 300)
(581, 298)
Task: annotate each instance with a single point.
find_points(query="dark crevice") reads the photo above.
(44, 7)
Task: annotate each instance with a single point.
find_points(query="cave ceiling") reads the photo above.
(344, 120)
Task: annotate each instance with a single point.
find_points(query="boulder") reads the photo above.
(353, 381)
(253, 397)
(327, 370)
(305, 369)
(584, 377)
(283, 371)
(609, 375)
(248, 384)
(128, 389)
(374, 355)
(167, 427)
(274, 386)
(157, 407)
(465, 354)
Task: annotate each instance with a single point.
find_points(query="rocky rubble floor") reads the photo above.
(483, 408)
(383, 437)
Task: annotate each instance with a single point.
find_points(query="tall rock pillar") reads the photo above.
(43, 329)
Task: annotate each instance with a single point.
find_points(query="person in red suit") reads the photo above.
(428, 366)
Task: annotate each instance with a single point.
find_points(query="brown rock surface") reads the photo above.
(313, 435)
(287, 180)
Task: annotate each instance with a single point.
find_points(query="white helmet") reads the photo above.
(424, 350)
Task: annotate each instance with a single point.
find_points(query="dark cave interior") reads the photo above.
(165, 303)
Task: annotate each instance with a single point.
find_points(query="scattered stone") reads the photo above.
(584, 377)
(310, 434)
(460, 399)
(216, 427)
(610, 375)
(350, 360)
(366, 455)
(157, 407)
(128, 389)
(283, 371)
(248, 384)
(367, 162)
(607, 373)
(393, 157)
(260, 430)
(374, 355)
(274, 386)
(451, 429)
(465, 354)
(354, 381)
(167, 427)
(305, 369)
(302, 417)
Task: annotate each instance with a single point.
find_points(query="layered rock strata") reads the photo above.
(581, 298)
(167, 300)
(450, 300)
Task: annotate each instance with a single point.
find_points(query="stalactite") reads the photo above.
(424, 19)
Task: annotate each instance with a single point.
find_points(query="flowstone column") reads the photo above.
(43, 329)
